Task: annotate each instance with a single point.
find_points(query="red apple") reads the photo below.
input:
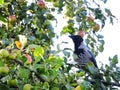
(29, 59)
(90, 19)
(41, 4)
(12, 18)
(96, 27)
(81, 33)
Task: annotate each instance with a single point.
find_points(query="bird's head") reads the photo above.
(77, 40)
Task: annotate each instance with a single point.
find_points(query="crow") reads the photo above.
(82, 51)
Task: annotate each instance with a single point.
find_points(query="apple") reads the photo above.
(81, 33)
(27, 87)
(13, 82)
(4, 53)
(41, 4)
(12, 55)
(29, 59)
(96, 27)
(12, 18)
(90, 19)
(4, 70)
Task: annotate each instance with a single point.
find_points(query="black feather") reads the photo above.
(80, 52)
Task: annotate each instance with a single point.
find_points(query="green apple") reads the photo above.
(12, 55)
(13, 82)
(4, 70)
(27, 87)
(4, 53)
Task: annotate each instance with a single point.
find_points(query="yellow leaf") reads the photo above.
(18, 44)
(78, 88)
(23, 40)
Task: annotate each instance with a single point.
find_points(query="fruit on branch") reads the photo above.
(4, 53)
(81, 33)
(96, 27)
(90, 19)
(29, 59)
(27, 87)
(12, 18)
(41, 4)
(4, 70)
(13, 82)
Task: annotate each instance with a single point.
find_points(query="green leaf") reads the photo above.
(3, 20)
(55, 88)
(46, 85)
(115, 59)
(1, 63)
(61, 4)
(24, 74)
(1, 1)
(55, 61)
(38, 53)
(66, 53)
(100, 36)
(104, 1)
(4, 87)
(90, 66)
(23, 59)
(68, 86)
(108, 12)
(101, 48)
(102, 42)
(26, 20)
(49, 0)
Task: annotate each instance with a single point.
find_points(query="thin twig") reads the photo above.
(33, 71)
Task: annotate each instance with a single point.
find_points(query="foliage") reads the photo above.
(26, 36)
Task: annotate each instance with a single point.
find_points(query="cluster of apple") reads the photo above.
(96, 26)
(4, 70)
(13, 82)
(40, 3)
(14, 54)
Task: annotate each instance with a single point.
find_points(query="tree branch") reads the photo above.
(106, 83)
(22, 64)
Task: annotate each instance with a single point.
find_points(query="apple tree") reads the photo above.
(27, 61)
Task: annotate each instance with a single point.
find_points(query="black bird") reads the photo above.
(82, 51)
